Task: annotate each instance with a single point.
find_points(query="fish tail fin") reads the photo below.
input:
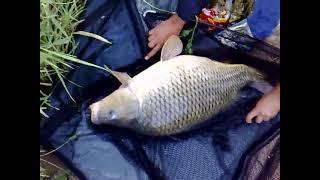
(254, 74)
(262, 86)
(258, 80)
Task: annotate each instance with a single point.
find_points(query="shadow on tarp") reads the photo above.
(105, 152)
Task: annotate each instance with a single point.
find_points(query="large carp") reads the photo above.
(173, 95)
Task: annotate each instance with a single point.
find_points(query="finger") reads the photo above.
(259, 118)
(153, 43)
(251, 115)
(266, 118)
(152, 31)
(153, 52)
(151, 37)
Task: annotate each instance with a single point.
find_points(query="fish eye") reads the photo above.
(111, 115)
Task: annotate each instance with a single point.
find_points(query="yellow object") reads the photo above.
(220, 20)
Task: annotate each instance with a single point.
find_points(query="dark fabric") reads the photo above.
(187, 9)
(264, 18)
(103, 152)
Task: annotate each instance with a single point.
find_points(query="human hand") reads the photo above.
(159, 34)
(266, 108)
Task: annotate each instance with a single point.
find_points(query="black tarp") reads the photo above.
(113, 153)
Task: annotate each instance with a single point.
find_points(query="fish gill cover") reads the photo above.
(104, 152)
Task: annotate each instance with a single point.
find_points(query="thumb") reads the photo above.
(253, 113)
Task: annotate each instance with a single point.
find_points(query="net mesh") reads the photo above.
(198, 154)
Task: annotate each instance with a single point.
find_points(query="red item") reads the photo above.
(206, 13)
(210, 16)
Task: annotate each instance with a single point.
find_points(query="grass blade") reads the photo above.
(70, 58)
(88, 34)
(64, 85)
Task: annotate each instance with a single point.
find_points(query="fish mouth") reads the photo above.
(94, 113)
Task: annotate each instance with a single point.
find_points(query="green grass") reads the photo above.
(58, 22)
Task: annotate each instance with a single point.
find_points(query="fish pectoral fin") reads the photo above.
(124, 78)
(171, 48)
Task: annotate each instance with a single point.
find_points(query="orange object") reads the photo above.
(220, 20)
(211, 17)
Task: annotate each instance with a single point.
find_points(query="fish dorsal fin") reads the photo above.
(171, 48)
(124, 78)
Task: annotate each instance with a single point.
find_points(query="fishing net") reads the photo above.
(265, 162)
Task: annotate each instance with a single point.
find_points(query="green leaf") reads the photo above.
(46, 1)
(188, 48)
(72, 82)
(189, 51)
(61, 41)
(63, 84)
(58, 20)
(58, 25)
(185, 33)
(70, 58)
(45, 84)
(43, 173)
(62, 177)
(43, 113)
